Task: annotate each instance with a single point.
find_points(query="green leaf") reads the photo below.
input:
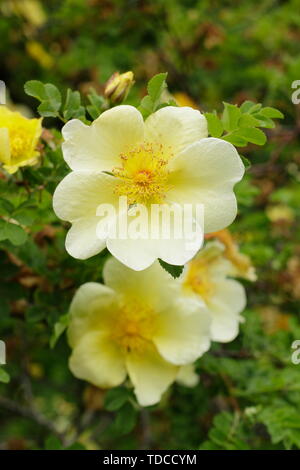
(247, 120)
(171, 102)
(126, 419)
(249, 106)
(48, 94)
(264, 121)
(230, 117)
(226, 433)
(172, 269)
(25, 217)
(51, 105)
(7, 206)
(72, 107)
(15, 234)
(282, 422)
(156, 86)
(255, 108)
(146, 106)
(4, 376)
(152, 101)
(272, 113)
(215, 125)
(246, 162)
(2, 229)
(36, 89)
(116, 398)
(53, 443)
(59, 328)
(235, 139)
(253, 135)
(97, 101)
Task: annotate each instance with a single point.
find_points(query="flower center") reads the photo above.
(198, 280)
(143, 174)
(133, 328)
(20, 141)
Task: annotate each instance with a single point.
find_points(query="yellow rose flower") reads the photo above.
(168, 159)
(18, 139)
(206, 276)
(138, 324)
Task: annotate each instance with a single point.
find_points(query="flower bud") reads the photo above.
(118, 86)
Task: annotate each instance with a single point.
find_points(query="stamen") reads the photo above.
(143, 174)
(133, 328)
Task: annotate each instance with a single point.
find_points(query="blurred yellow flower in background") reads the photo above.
(240, 263)
(31, 10)
(206, 276)
(38, 53)
(182, 99)
(138, 324)
(18, 139)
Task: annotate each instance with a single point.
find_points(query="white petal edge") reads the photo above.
(173, 248)
(82, 241)
(98, 146)
(175, 127)
(225, 307)
(81, 192)
(205, 173)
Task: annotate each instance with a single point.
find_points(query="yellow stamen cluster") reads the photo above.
(20, 142)
(133, 328)
(143, 175)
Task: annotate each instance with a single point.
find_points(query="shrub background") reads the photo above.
(213, 51)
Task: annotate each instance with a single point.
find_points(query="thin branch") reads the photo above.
(33, 415)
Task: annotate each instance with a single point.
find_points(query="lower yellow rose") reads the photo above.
(138, 324)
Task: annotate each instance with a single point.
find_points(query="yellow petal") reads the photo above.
(150, 375)
(187, 376)
(4, 145)
(98, 146)
(98, 360)
(91, 308)
(175, 128)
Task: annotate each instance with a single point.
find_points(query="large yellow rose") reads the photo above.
(166, 159)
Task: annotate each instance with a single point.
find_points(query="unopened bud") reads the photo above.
(118, 86)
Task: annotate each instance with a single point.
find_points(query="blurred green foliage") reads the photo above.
(214, 52)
